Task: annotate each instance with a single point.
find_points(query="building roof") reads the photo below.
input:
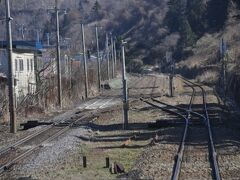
(31, 44)
(3, 77)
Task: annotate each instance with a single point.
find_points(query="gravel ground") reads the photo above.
(227, 146)
(157, 161)
(39, 164)
(7, 138)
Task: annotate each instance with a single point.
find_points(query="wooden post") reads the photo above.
(84, 161)
(107, 162)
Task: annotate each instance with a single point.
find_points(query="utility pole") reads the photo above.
(125, 93)
(48, 39)
(112, 56)
(98, 61)
(107, 52)
(38, 35)
(115, 54)
(224, 58)
(21, 30)
(59, 78)
(12, 113)
(169, 59)
(85, 62)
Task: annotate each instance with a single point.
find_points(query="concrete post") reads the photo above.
(115, 55)
(98, 61)
(85, 62)
(125, 92)
(59, 77)
(12, 113)
(112, 57)
(107, 52)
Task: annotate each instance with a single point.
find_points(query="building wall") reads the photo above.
(24, 73)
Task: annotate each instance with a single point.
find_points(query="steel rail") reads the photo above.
(178, 163)
(179, 108)
(25, 139)
(39, 145)
(212, 148)
(162, 108)
(179, 156)
(20, 142)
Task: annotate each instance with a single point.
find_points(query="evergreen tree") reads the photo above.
(176, 9)
(80, 5)
(187, 35)
(196, 14)
(177, 21)
(217, 13)
(96, 10)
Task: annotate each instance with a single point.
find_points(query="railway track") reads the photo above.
(12, 154)
(19, 150)
(202, 157)
(212, 155)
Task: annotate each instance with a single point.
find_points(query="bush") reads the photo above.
(135, 66)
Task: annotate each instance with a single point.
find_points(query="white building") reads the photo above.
(23, 71)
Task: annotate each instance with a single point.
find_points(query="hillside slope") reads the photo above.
(191, 29)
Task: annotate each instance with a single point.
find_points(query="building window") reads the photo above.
(27, 64)
(16, 65)
(31, 60)
(21, 67)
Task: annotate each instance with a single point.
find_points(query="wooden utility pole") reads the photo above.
(11, 94)
(98, 61)
(125, 93)
(112, 56)
(59, 77)
(85, 62)
(107, 52)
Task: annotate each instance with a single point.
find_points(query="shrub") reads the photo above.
(135, 66)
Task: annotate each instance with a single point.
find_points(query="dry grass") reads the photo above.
(209, 77)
